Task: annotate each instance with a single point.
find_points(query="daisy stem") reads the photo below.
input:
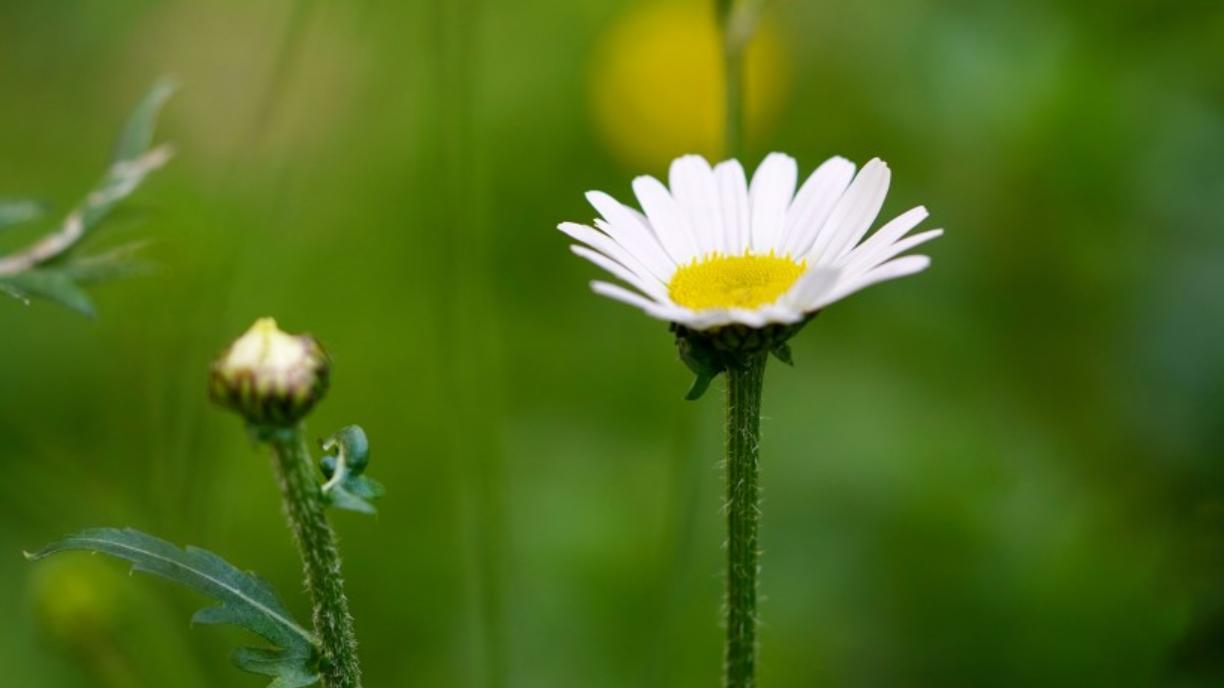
(320, 557)
(743, 514)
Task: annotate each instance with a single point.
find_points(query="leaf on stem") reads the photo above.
(347, 455)
(245, 600)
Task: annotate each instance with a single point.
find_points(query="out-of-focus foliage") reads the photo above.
(1003, 472)
(49, 268)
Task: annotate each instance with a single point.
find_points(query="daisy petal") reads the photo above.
(770, 193)
(867, 262)
(619, 293)
(670, 224)
(813, 204)
(900, 267)
(813, 286)
(631, 230)
(853, 214)
(606, 245)
(696, 191)
(653, 290)
(736, 210)
(887, 235)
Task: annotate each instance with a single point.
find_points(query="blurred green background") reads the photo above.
(1003, 472)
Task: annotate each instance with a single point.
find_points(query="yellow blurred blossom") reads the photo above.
(657, 83)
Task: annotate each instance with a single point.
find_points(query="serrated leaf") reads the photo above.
(271, 663)
(245, 600)
(53, 285)
(348, 454)
(16, 211)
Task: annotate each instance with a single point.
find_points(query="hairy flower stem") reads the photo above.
(320, 558)
(743, 513)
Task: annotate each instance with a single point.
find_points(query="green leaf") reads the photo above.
(245, 600)
(137, 134)
(53, 285)
(133, 161)
(48, 268)
(347, 455)
(16, 211)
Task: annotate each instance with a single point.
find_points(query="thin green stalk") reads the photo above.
(320, 558)
(733, 65)
(468, 323)
(743, 514)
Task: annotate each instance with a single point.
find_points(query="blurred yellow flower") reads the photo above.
(657, 83)
(75, 600)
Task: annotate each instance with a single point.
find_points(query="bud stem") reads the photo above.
(320, 557)
(744, 386)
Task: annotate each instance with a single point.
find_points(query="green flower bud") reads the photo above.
(269, 377)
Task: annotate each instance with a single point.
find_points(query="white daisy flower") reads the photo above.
(714, 250)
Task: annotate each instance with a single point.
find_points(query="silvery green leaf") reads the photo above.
(244, 599)
(134, 161)
(16, 211)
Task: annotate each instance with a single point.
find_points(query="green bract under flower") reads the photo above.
(271, 378)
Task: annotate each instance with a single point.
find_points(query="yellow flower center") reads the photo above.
(747, 281)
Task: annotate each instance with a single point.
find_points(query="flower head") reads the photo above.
(270, 377)
(713, 250)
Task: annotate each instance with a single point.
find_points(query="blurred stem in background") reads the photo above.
(733, 66)
(738, 22)
(468, 324)
(744, 383)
